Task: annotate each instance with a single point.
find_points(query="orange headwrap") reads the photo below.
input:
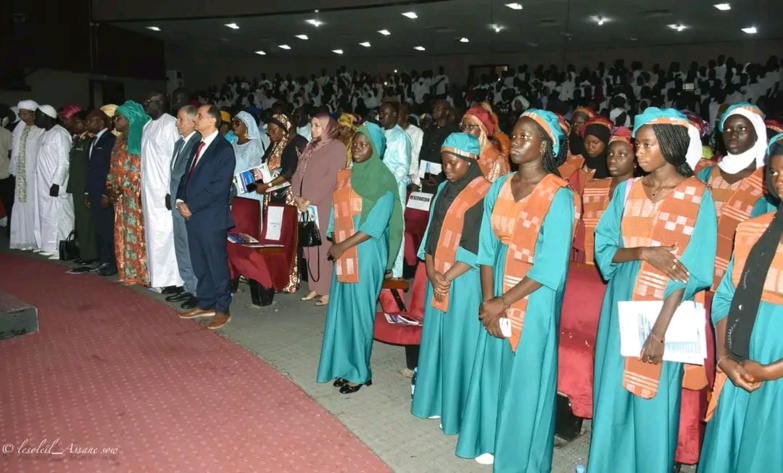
(596, 120)
(622, 134)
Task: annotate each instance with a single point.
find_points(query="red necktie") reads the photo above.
(196, 158)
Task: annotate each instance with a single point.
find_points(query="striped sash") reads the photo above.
(595, 198)
(521, 222)
(737, 206)
(664, 223)
(452, 228)
(347, 205)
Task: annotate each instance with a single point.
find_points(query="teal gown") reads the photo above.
(630, 433)
(448, 345)
(510, 410)
(350, 319)
(746, 433)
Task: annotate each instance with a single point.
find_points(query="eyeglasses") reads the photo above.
(467, 126)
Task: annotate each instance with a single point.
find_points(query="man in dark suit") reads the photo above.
(183, 149)
(203, 199)
(99, 153)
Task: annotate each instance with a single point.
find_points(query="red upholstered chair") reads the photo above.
(267, 269)
(392, 301)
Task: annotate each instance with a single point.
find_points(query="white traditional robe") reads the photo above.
(397, 158)
(24, 155)
(55, 214)
(157, 148)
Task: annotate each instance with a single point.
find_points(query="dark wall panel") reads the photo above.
(123, 53)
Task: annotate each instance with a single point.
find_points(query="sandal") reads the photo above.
(310, 296)
(324, 301)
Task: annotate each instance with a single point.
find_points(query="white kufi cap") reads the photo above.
(48, 110)
(30, 105)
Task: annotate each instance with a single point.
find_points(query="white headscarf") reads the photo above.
(250, 123)
(734, 163)
(695, 151)
(30, 105)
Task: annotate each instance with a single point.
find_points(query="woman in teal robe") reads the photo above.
(746, 433)
(448, 341)
(631, 433)
(509, 418)
(350, 319)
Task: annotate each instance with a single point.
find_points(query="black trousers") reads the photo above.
(209, 258)
(7, 188)
(103, 222)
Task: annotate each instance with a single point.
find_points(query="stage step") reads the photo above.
(16, 317)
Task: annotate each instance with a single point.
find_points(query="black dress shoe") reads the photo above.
(348, 389)
(167, 291)
(339, 382)
(107, 272)
(181, 297)
(190, 303)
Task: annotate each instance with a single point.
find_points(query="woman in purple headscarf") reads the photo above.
(313, 184)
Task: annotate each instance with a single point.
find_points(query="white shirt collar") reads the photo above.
(207, 140)
(185, 139)
(100, 133)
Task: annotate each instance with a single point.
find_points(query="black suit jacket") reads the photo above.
(98, 167)
(207, 189)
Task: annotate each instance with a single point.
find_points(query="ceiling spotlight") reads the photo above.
(302, 36)
(750, 30)
(153, 28)
(284, 46)
(384, 32)
(366, 44)
(632, 38)
(337, 51)
(514, 6)
(395, 71)
(419, 48)
(314, 22)
(601, 21)
(411, 15)
(233, 26)
(464, 40)
(495, 27)
(532, 44)
(723, 6)
(261, 53)
(678, 27)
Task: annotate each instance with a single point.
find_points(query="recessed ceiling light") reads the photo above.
(411, 15)
(723, 6)
(284, 46)
(302, 36)
(496, 27)
(395, 71)
(532, 44)
(678, 27)
(337, 51)
(366, 44)
(314, 22)
(600, 20)
(153, 28)
(261, 53)
(750, 30)
(633, 39)
(419, 48)
(233, 26)
(464, 40)
(384, 32)
(514, 6)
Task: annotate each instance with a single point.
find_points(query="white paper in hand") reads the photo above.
(686, 340)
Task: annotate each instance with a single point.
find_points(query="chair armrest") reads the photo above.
(393, 284)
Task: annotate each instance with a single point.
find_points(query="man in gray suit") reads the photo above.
(184, 147)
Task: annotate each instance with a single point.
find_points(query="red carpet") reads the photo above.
(114, 369)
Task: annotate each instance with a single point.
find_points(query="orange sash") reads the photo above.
(748, 233)
(520, 223)
(493, 163)
(451, 231)
(347, 205)
(703, 164)
(595, 198)
(737, 206)
(667, 222)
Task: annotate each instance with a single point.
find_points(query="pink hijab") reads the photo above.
(331, 131)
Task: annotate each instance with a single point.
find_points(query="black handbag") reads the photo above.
(309, 234)
(69, 248)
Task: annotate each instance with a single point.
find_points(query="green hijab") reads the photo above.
(372, 180)
(137, 118)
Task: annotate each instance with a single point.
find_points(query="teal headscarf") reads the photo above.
(551, 125)
(659, 116)
(463, 145)
(137, 118)
(372, 180)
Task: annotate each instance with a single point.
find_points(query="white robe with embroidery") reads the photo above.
(55, 214)
(157, 149)
(25, 210)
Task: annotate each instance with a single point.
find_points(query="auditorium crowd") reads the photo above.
(664, 183)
